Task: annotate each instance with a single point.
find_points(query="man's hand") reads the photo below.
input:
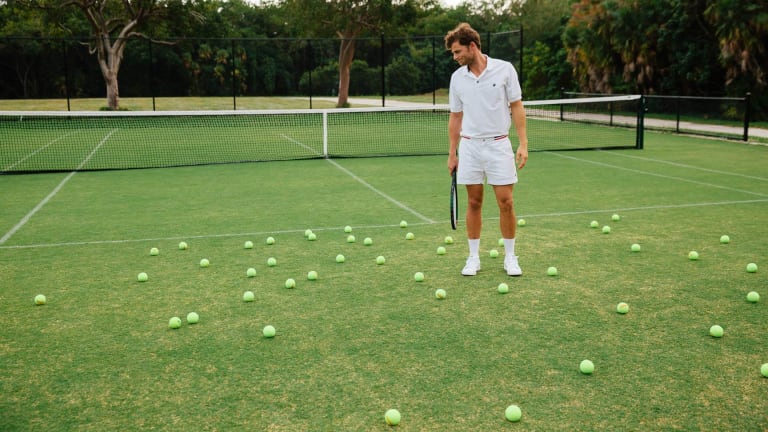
(453, 164)
(521, 157)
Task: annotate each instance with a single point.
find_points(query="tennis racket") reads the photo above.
(454, 200)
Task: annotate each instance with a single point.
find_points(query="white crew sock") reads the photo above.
(474, 247)
(509, 247)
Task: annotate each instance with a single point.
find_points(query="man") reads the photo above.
(484, 94)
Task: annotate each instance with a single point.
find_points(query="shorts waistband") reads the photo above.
(496, 138)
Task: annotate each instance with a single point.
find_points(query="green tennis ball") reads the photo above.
(751, 268)
(724, 239)
(503, 288)
(183, 246)
(594, 224)
(586, 367)
(269, 331)
(312, 275)
(392, 417)
(248, 296)
(622, 308)
(340, 258)
(204, 263)
(440, 250)
(493, 253)
(312, 236)
(154, 251)
(521, 222)
(440, 294)
(40, 300)
(552, 271)
(606, 229)
(290, 283)
(380, 260)
(347, 229)
(513, 413)
(142, 277)
(368, 241)
(271, 261)
(716, 331)
(270, 240)
(193, 318)
(403, 224)
(635, 247)
(307, 232)
(418, 277)
(248, 245)
(409, 236)
(174, 322)
(753, 297)
(448, 240)
(251, 272)
(764, 370)
(501, 242)
(351, 239)
(615, 218)
(693, 255)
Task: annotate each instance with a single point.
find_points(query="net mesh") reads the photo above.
(78, 141)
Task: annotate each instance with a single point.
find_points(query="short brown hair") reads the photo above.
(464, 34)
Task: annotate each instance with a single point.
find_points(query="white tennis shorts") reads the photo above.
(486, 158)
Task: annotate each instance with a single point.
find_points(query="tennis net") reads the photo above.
(37, 141)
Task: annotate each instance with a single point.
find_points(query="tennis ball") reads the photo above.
(586, 367)
(142, 277)
(448, 240)
(513, 413)
(248, 296)
(339, 258)
(418, 277)
(347, 229)
(552, 271)
(606, 229)
(724, 239)
(622, 308)
(271, 262)
(409, 236)
(40, 299)
(503, 288)
(248, 245)
(440, 250)
(635, 247)
(392, 417)
(751, 268)
(251, 272)
(764, 370)
(403, 224)
(615, 218)
(753, 297)
(716, 331)
(312, 236)
(351, 239)
(312, 275)
(154, 251)
(521, 222)
(174, 322)
(307, 232)
(594, 224)
(269, 331)
(493, 253)
(270, 240)
(440, 294)
(204, 263)
(693, 255)
(183, 246)
(380, 260)
(290, 283)
(193, 318)
(501, 242)
(367, 241)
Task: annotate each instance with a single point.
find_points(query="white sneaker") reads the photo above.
(472, 266)
(511, 266)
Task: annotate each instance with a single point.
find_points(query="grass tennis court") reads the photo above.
(363, 337)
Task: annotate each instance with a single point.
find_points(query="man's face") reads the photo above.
(462, 54)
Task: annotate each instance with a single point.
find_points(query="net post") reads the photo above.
(325, 134)
(640, 130)
(151, 73)
(383, 74)
(66, 73)
(747, 112)
(234, 74)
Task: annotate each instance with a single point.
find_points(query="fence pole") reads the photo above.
(747, 112)
(522, 65)
(383, 75)
(151, 73)
(677, 114)
(311, 62)
(434, 72)
(66, 74)
(234, 75)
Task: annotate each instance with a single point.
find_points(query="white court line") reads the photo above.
(538, 215)
(363, 182)
(8, 168)
(659, 175)
(53, 193)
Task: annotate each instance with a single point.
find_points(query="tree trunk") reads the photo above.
(346, 55)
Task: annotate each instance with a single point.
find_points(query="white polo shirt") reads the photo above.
(485, 100)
